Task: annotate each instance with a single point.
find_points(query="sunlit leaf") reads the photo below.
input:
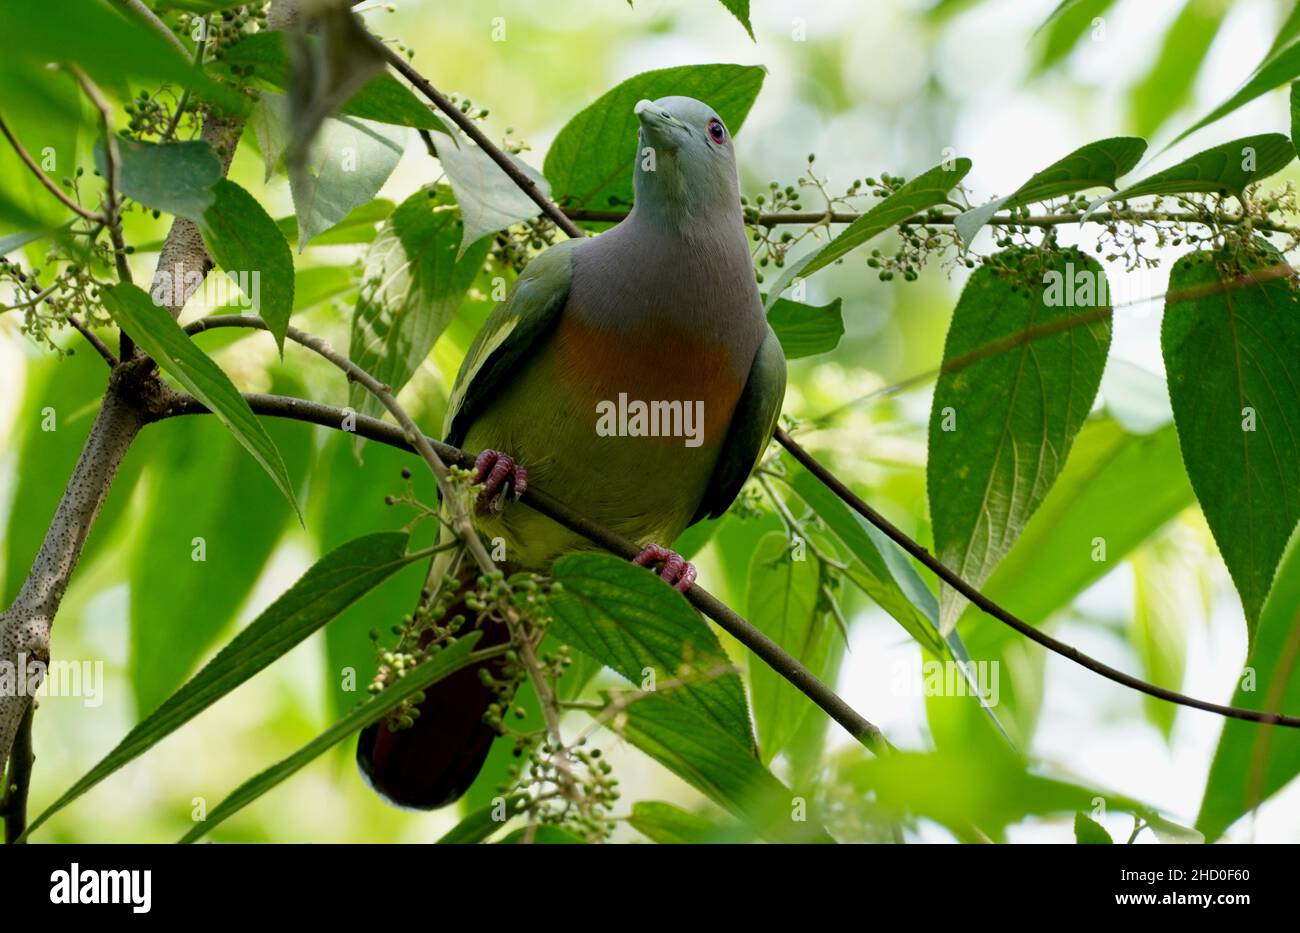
(154, 330)
(333, 583)
(915, 197)
(806, 330)
(442, 664)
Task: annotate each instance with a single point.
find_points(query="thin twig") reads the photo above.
(93, 339)
(45, 180)
(988, 606)
(151, 19)
(508, 165)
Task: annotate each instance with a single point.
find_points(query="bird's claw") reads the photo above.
(500, 478)
(675, 571)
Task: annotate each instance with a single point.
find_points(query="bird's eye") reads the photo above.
(717, 132)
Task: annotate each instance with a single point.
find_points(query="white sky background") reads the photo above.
(1010, 128)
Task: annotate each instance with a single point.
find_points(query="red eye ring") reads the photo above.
(717, 132)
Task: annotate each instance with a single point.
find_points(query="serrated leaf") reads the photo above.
(1232, 355)
(334, 582)
(590, 162)
(1229, 168)
(918, 195)
(412, 285)
(1095, 165)
(740, 10)
(630, 620)
(1253, 761)
(1001, 428)
(245, 242)
(782, 603)
(442, 664)
(383, 98)
(177, 178)
(489, 199)
(154, 330)
(806, 330)
(1118, 488)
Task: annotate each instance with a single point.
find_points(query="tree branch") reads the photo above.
(850, 498)
(988, 606)
(45, 180)
(508, 165)
(412, 439)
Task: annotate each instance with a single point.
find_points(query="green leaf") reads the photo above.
(1090, 832)
(708, 758)
(489, 199)
(348, 161)
(590, 162)
(360, 226)
(177, 178)
(740, 10)
(1228, 168)
(878, 567)
(1065, 28)
(918, 195)
(989, 788)
(1254, 761)
(630, 620)
(1117, 490)
(112, 48)
(483, 823)
(413, 284)
(1280, 67)
(671, 825)
(382, 98)
(245, 242)
(333, 583)
(442, 664)
(1295, 115)
(1233, 360)
(543, 835)
(806, 330)
(1165, 607)
(782, 603)
(881, 569)
(210, 525)
(1095, 165)
(154, 330)
(1001, 428)
(1167, 84)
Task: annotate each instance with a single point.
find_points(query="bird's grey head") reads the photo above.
(686, 166)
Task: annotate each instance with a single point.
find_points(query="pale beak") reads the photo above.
(658, 124)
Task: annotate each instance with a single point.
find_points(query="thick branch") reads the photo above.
(988, 606)
(769, 651)
(25, 625)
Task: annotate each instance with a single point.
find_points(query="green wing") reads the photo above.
(752, 426)
(512, 332)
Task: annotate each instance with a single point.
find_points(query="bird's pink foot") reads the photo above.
(674, 569)
(501, 478)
